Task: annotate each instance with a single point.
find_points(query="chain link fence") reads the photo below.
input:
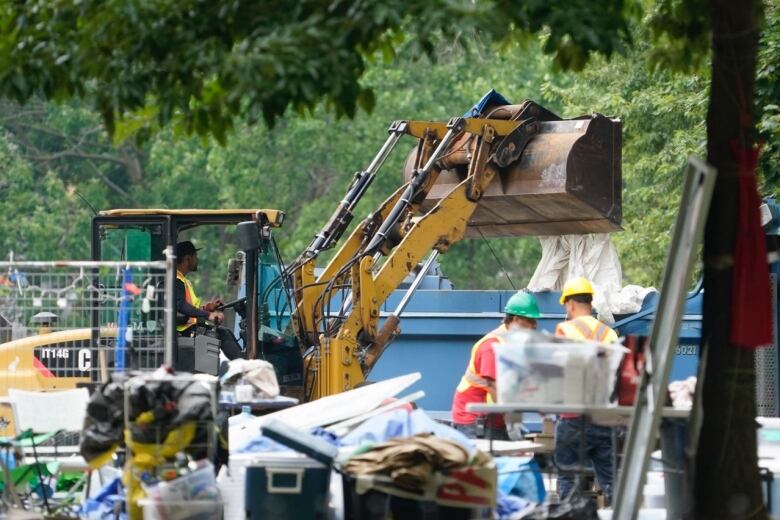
(63, 324)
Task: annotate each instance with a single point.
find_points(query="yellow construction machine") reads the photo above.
(504, 170)
(518, 170)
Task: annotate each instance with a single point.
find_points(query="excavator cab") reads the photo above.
(260, 324)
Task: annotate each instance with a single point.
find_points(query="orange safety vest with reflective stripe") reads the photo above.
(471, 378)
(191, 298)
(586, 328)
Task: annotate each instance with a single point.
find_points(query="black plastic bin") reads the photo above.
(375, 505)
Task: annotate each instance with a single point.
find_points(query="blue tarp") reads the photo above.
(401, 423)
(491, 98)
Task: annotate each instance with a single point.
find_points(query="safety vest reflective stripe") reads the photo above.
(586, 332)
(579, 329)
(470, 377)
(601, 332)
(190, 297)
(474, 380)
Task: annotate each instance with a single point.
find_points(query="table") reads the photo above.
(581, 409)
(508, 447)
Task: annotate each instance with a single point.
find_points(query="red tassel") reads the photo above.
(751, 303)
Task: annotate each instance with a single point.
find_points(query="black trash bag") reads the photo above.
(576, 507)
(104, 422)
(166, 403)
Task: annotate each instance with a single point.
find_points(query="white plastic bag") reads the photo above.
(594, 257)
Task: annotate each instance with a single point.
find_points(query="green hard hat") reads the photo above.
(523, 304)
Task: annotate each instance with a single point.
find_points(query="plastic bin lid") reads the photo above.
(302, 442)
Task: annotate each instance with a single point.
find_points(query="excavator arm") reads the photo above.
(383, 250)
(337, 311)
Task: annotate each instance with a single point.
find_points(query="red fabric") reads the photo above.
(485, 360)
(485, 363)
(404, 406)
(751, 305)
(630, 372)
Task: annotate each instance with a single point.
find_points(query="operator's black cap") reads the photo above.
(186, 248)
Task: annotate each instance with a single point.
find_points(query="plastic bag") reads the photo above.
(576, 507)
(521, 477)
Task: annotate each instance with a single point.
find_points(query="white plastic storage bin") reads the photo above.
(534, 368)
(189, 510)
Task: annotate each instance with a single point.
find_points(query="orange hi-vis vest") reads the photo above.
(471, 378)
(191, 298)
(586, 328)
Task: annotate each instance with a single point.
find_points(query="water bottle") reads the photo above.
(237, 424)
(244, 416)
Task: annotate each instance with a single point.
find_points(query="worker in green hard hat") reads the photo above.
(478, 384)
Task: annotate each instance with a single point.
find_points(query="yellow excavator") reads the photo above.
(502, 170)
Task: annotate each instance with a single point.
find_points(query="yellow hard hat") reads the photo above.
(574, 286)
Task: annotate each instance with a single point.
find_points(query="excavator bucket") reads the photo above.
(565, 180)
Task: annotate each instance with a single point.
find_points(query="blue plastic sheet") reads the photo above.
(103, 505)
(124, 316)
(401, 423)
(510, 506)
(383, 427)
(491, 98)
(262, 444)
(521, 477)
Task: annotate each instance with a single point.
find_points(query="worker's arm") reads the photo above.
(492, 390)
(187, 309)
(486, 366)
(559, 331)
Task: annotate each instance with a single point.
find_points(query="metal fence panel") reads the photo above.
(66, 323)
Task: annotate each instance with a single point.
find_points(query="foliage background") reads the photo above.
(54, 158)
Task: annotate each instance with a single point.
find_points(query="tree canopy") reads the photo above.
(152, 72)
(58, 155)
(305, 162)
(204, 63)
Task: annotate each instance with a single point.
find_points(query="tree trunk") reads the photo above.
(727, 482)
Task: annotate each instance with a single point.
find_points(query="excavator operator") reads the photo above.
(190, 307)
(478, 384)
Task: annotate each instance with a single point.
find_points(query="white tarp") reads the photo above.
(594, 257)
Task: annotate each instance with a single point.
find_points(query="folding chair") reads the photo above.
(41, 420)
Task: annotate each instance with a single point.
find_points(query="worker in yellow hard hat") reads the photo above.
(577, 297)
(478, 384)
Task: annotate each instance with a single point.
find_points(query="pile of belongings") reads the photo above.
(425, 467)
(251, 379)
(166, 415)
(410, 462)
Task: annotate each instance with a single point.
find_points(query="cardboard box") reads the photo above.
(548, 426)
(467, 487)
(548, 441)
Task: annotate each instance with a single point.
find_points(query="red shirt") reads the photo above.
(485, 365)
